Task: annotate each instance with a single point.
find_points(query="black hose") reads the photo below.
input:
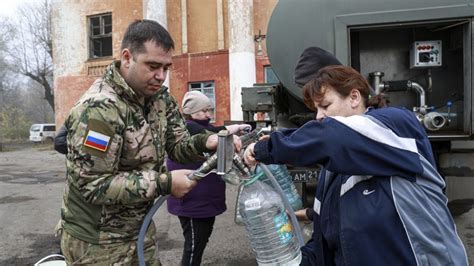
(144, 228)
(398, 85)
(196, 175)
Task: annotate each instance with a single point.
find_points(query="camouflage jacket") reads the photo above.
(115, 160)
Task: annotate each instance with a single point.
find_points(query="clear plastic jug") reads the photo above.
(267, 224)
(281, 174)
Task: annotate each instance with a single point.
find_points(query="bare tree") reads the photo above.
(4, 68)
(36, 109)
(30, 45)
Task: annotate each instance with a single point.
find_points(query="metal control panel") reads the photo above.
(425, 54)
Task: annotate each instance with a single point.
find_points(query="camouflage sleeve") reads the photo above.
(180, 145)
(93, 168)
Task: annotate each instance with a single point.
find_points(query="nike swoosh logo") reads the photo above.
(367, 192)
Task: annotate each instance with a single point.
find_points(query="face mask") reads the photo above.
(203, 122)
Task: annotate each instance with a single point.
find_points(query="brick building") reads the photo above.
(219, 46)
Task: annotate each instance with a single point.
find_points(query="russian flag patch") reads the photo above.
(96, 140)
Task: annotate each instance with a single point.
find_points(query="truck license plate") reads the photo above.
(300, 176)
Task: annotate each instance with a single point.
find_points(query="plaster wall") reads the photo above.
(241, 53)
(74, 72)
(155, 10)
(202, 26)
(173, 10)
(69, 38)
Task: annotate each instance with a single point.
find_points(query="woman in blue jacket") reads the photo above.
(197, 210)
(380, 198)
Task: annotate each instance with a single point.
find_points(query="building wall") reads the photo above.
(202, 26)
(202, 61)
(201, 67)
(74, 72)
(262, 11)
(173, 9)
(260, 63)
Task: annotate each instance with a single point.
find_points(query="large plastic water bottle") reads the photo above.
(267, 224)
(281, 174)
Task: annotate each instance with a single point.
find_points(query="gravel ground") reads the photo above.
(31, 186)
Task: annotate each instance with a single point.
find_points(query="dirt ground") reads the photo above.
(31, 186)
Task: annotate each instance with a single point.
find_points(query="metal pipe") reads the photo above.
(376, 81)
(419, 90)
(430, 80)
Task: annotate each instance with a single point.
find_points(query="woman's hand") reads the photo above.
(238, 129)
(249, 156)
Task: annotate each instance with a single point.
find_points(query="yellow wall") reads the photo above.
(173, 10)
(202, 26)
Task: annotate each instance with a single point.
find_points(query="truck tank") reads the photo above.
(418, 52)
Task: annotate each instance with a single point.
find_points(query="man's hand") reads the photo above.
(249, 156)
(212, 140)
(180, 183)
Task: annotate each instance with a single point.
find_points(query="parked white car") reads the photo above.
(42, 132)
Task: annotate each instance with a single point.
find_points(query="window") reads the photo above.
(207, 88)
(35, 128)
(270, 76)
(49, 128)
(100, 36)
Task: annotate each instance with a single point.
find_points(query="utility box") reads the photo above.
(426, 54)
(259, 99)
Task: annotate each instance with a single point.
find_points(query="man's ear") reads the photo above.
(355, 98)
(126, 57)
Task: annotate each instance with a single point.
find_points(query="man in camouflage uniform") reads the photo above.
(118, 134)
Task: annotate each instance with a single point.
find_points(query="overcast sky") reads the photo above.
(8, 7)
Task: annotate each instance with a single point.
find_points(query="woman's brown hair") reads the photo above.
(342, 79)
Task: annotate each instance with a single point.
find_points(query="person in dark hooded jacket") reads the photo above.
(60, 141)
(379, 199)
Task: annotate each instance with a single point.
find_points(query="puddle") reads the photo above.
(13, 199)
(15, 177)
(42, 245)
(458, 207)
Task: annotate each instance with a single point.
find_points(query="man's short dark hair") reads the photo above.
(141, 31)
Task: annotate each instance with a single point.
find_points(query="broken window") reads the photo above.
(100, 35)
